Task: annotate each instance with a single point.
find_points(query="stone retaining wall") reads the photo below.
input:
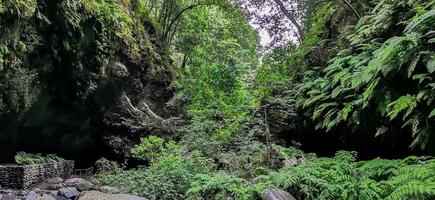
(26, 175)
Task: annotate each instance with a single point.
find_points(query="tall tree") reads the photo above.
(291, 15)
(285, 20)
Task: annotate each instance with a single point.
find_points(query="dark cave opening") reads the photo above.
(326, 144)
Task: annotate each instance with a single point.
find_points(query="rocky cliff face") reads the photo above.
(78, 75)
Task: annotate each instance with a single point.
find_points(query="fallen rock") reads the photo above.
(54, 193)
(32, 196)
(53, 186)
(69, 192)
(22, 193)
(9, 191)
(47, 186)
(276, 194)
(294, 161)
(84, 185)
(46, 197)
(8, 197)
(55, 180)
(96, 195)
(73, 181)
(94, 181)
(110, 190)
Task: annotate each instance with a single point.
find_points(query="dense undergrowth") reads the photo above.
(178, 174)
(360, 87)
(364, 72)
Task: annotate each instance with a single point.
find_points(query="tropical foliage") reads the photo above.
(186, 88)
(168, 176)
(379, 80)
(339, 177)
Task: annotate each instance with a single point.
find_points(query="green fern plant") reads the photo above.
(363, 76)
(424, 20)
(23, 158)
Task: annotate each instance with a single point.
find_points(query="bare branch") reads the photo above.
(300, 31)
(175, 19)
(353, 9)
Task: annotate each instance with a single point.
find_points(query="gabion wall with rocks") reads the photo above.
(26, 175)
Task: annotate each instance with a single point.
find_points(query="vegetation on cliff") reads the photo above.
(77, 75)
(185, 89)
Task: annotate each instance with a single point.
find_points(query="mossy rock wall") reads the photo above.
(26, 175)
(67, 66)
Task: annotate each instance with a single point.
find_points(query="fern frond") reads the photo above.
(428, 18)
(319, 110)
(414, 190)
(344, 113)
(406, 102)
(313, 100)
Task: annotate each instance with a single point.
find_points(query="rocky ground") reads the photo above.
(72, 188)
(89, 189)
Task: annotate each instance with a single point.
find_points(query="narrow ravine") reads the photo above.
(217, 99)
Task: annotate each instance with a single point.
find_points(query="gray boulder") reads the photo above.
(73, 181)
(32, 196)
(53, 186)
(46, 197)
(70, 192)
(55, 180)
(8, 197)
(22, 193)
(94, 181)
(96, 195)
(294, 161)
(54, 193)
(276, 194)
(84, 185)
(110, 190)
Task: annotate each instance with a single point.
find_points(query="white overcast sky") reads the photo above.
(264, 35)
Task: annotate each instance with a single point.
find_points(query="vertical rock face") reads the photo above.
(338, 23)
(74, 78)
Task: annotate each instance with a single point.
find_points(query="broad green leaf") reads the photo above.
(432, 114)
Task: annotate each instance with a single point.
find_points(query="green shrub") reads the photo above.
(168, 177)
(107, 166)
(148, 148)
(23, 158)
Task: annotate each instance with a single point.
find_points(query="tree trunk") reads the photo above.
(172, 22)
(185, 58)
(353, 9)
(300, 31)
